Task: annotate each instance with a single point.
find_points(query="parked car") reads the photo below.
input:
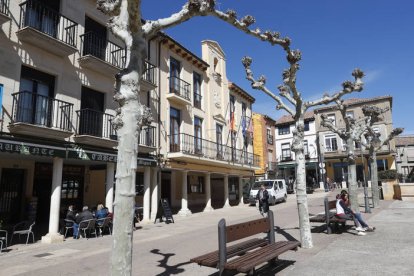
(275, 187)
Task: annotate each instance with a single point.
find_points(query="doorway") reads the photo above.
(11, 195)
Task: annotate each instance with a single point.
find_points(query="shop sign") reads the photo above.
(27, 149)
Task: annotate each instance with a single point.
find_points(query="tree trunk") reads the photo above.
(374, 179)
(301, 196)
(352, 179)
(128, 124)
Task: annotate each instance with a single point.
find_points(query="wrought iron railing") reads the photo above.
(36, 15)
(98, 46)
(35, 109)
(189, 144)
(287, 157)
(4, 7)
(147, 136)
(95, 123)
(180, 88)
(149, 73)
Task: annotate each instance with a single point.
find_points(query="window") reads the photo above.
(175, 122)
(284, 130)
(269, 136)
(175, 70)
(331, 117)
(349, 114)
(198, 135)
(1, 101)
(305, 147)
(233, 146)
(331, 143)
(219, 141)
(286, 152)
(195, 184)
(382, 165)
(139, 184)
(307, 126)
(197, 90)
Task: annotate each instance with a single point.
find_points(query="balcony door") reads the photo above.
(95, 39)
(198, 135)
(43, 15)
(219, 141)
(33, 100)
(175, 70)
(91, 113)
(175, 121)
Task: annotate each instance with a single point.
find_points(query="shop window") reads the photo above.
(139, 184)
(195, 184)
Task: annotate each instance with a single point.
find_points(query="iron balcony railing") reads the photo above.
(197, 100)
(35, 109)
(95, 123)
(189, 144)
(286, 158)
(36, 15)
(149, 73)
(180, 87)
(4, 7)
(147, 136)
(98, 46)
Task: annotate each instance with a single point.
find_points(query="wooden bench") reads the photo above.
(246, 255)
(328, 217)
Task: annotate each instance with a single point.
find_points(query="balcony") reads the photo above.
(101, 55)
(148, 80)
(285, 158)
(95, 128)
(179, 91)
(47, 29)
(147, 139)
(184, 147)
(41, 116)
(4, 11)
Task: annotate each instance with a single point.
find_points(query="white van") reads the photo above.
(275, 187)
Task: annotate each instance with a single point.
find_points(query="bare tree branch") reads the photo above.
(348, 87)
(330, 125)
(260, 85)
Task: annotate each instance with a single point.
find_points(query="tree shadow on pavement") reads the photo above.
(285, 234)
(169, 269)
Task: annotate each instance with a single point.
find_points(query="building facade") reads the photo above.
(265, 145)
(405, 157)
(57, 143)
(333, 149)
(286, 157)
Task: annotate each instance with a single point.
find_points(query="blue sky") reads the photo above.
(335, 37)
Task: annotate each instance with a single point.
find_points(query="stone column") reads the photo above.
(184, 199)
(241, 201)
(226, 191)
(53, 236)
(109, 198)
(208, 193)
(146, 201)
(154, 193)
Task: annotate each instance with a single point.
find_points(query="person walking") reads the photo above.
(263, 198)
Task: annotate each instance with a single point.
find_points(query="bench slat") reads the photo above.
(251, 259)
(211, 259)
(245, 229)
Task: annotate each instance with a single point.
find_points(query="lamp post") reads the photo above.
(366, 202)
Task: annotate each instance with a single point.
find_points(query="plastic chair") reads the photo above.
(87, 225)
(68, 224)
(103, 223)
(23, 228)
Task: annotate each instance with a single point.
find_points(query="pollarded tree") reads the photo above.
(296, 107)
(374, 144)
(352, 133)
(127, 24)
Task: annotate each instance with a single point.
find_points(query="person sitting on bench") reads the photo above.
(343, 211)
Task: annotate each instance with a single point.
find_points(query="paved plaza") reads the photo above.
(165, 249)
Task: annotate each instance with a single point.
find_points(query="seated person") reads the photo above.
(101, 212)
(70, 215)
(343, 211)
(84, 215)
